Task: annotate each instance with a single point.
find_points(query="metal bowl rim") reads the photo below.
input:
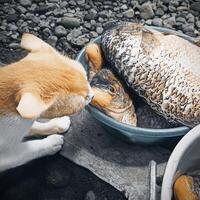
(171, 132)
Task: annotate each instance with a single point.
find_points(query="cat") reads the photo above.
(44, 84)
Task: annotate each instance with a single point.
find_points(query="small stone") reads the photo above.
(149, 22)
(159, 12)
(188, 28)
(119, 15)
(12, 27)
(99, 30)
(87, 25)
(80, 2)
(190, 18)
(46, 32)
(15, 35)
(103, 14)
(21, 9)
(82, 40)
(52, 40)
(12, 18)
(90, 195)
(42, 9)
(198, 24)
(101, 20)
(172, 8)
(181, 20)
(60, 31)
(72, 3)
(170, 21)
(14, 45)
(93, 34)
(43, 24)
(92, 14)
(25, 3)
(124, 7)
(129, 13)
(70, 22)
(74, 34)
(58, 12)
(93, 22)
(157, 22)
(146, 10)
(195, 6)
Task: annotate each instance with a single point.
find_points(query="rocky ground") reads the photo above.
(68, 25)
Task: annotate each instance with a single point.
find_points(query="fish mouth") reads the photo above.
(109, 93)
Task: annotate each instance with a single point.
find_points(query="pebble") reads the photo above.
(170, 21)
(124, 7)
(90, 195)
(160, 12)
(103, 14)
(198, 24)
(157, 22)
(81, 41)
(25, 3)
(70, 22)
(60, 31)
(52, 40)
(12, 18)
(93, 34)
(82, 20)
(181, 20)
(195, 6)
(146, 10)
(188, 28)
(129, 13)
(92, 14)
(21, 9)
(14, 45)
(99, 30)
(47, 32)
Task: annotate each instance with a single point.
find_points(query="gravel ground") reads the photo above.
(68, 25)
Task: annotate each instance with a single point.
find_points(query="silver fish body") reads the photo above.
(163, 69)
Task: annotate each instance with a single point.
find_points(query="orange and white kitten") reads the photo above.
(44, 84)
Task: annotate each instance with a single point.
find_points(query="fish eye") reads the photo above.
(112, 89)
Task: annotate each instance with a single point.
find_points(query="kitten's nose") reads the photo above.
(89, 97)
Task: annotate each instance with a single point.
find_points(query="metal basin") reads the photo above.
(185, 158)
(131, 133)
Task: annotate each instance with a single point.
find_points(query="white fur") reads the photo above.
(56, 125)
(30, 106)
(14, 152)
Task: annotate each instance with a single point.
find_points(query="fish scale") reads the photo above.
(163, 69)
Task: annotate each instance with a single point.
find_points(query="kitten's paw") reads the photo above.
(53, 144)
(61, 124)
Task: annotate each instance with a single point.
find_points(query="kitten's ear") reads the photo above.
(32, 43)
(30, 106)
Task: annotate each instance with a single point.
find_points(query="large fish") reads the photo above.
(109, 94)
(187, 187)
(162, 68)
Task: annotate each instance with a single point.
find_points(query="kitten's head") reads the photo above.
(47, 84)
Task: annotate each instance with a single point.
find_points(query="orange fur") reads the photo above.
(48, 75)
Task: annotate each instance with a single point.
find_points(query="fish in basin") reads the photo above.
(111, 97)
(187, 187)
(162, 68)
(109, 93)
